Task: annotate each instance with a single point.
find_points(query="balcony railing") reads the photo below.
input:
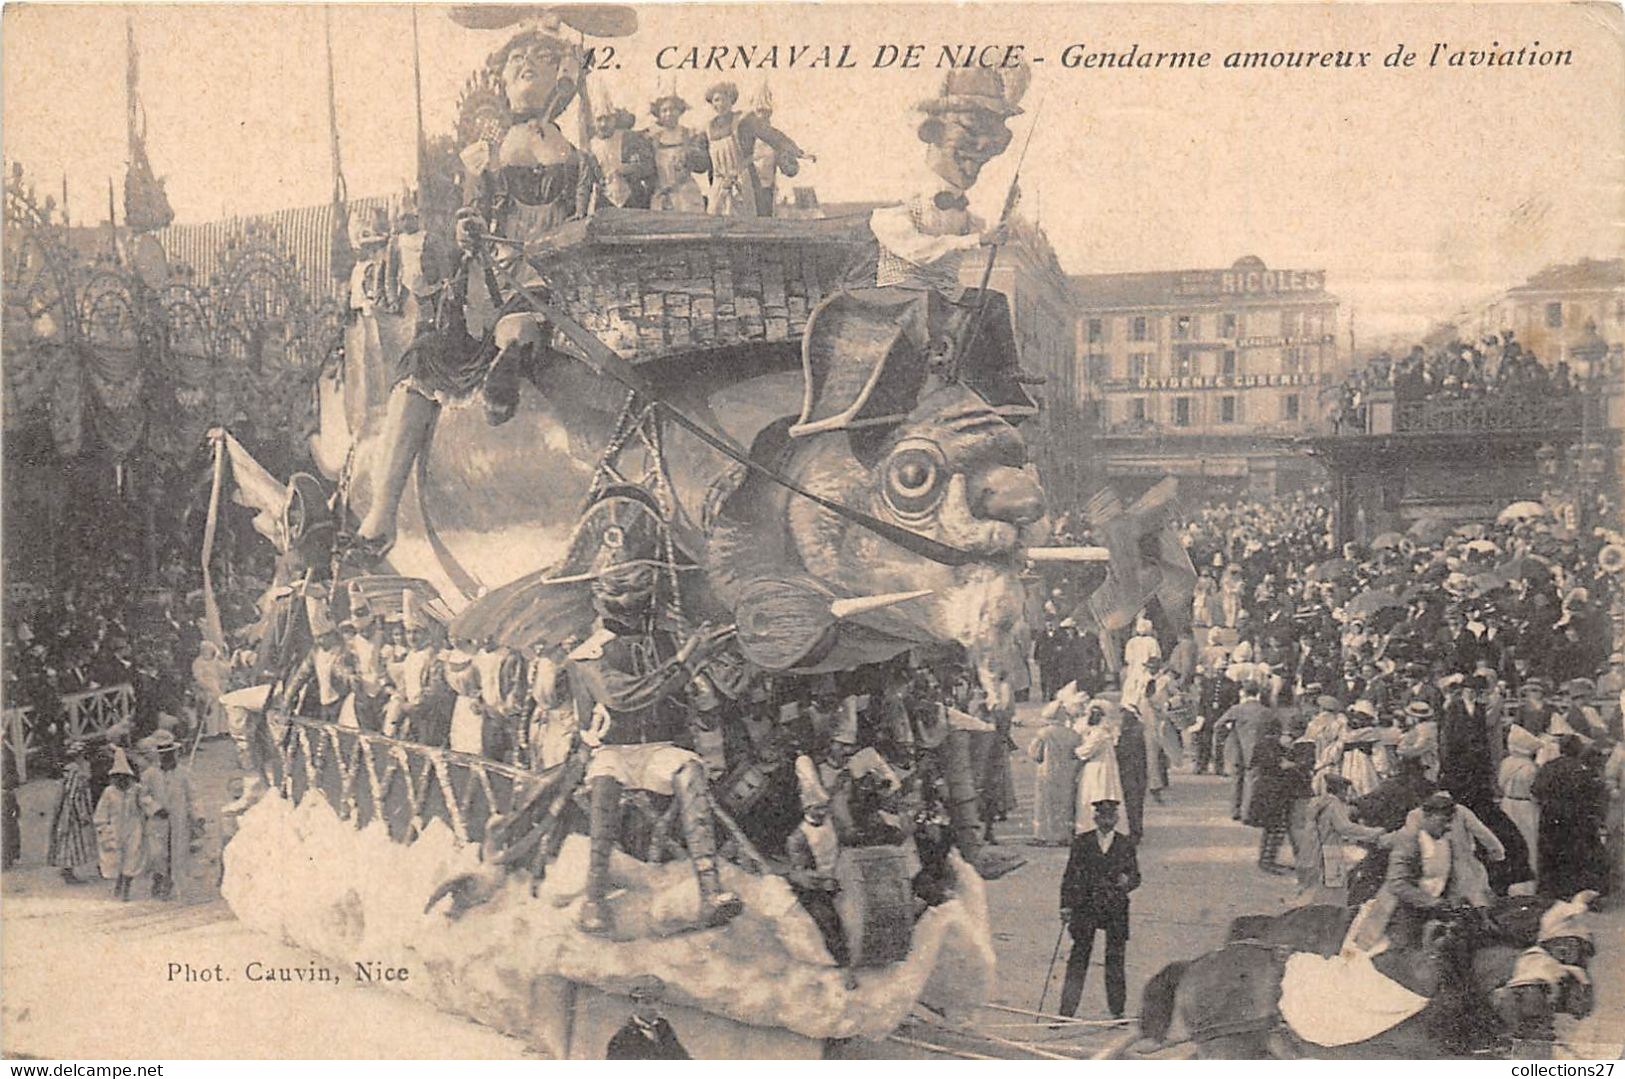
(1511, 412)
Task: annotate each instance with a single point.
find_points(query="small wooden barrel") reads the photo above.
(876, 904)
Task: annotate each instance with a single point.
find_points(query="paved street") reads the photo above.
(1196, 864)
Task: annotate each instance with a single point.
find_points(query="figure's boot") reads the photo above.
(516, 337)
(717, 907)
(603, 820)
(407, 422)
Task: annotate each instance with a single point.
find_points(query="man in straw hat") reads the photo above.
(121, 825)
(166, 795)
(646, 1034)
(630, 676)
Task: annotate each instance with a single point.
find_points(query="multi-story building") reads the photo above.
(1041, 314)
(1550, 312)
(1206, 374)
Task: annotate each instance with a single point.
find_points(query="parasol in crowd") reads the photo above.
(1484, 583)
(1521, 511)
(1470, 530)
(1386, 541)
(1371, 601)
(1482, 546)
(1331, 569)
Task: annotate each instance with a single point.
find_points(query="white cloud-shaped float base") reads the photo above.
(305, 876)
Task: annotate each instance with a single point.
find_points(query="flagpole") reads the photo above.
(211, 607)
(417, 90)
(340, 258)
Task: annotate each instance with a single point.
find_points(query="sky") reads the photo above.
(1418, 190)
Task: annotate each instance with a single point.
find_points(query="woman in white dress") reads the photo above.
(1516, 780)
(1136, 653)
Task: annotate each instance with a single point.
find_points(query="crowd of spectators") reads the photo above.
(1421, 661)
(1498, 366)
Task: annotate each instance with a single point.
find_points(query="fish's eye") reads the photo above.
(916, 478)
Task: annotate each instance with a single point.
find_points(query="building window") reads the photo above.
(1139, 366)
(1182, 365)
(1136, 409)
(1182, 412)
(1182, 327)
(1097, 330)
(1554, 316)
(1227, 363)
(1227, 325)
(1227, 409)
(1291, 360)
(1094, 367)
(1139, 329)
(1289, 324)
(1289, 407)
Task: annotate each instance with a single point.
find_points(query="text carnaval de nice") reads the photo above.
(1439, 54)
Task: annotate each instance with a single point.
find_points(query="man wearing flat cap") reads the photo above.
(646, 1035)
(1100, 873)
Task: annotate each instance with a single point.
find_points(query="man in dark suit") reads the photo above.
(1100, 873)
(646, 1035)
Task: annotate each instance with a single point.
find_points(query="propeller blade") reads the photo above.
(600, 20)
(846, 608)
(595, 20)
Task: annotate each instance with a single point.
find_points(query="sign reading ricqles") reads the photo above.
(1251, 282)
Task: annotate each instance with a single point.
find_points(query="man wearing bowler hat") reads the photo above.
(1100, 873)
(646, 1034)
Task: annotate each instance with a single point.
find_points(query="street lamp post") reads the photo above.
(1590, 354)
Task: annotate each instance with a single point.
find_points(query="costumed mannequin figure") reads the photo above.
(320, 684)
(629, 675)
(730, 140)
(554, 727)
(524, 178)
(417, 708)
(624, 159)
(365, 641)
(924, 241)
(678, 156)
(767, 160)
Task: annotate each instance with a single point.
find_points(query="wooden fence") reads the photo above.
(82, 715)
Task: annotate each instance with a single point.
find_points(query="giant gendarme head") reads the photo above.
(965, 124)
(540, 73)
